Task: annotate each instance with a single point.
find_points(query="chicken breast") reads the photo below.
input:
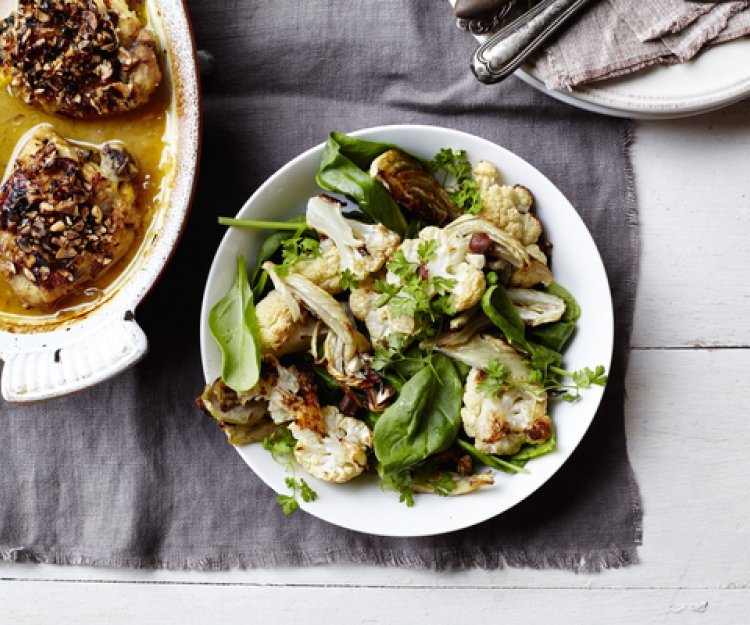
(67, 214)
(79, 58)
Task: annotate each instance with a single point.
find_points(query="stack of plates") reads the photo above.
(715, 78)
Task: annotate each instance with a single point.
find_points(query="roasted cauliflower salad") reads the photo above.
(408, 324)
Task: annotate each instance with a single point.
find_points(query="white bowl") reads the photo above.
(44, 358)
(361, 505)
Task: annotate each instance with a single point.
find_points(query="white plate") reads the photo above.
(714, 79)
(361, 505)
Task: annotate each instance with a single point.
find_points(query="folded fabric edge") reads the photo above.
(672, 23)
(715, 23)
(561, 81)
(738, 26)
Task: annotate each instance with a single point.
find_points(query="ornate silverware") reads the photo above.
(507, 49)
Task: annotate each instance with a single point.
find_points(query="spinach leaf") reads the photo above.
(489, 461)
(413, 360)
(359, 151)
(362, 153)
(233, 324)
(340, 173)
(268, 248)
(529, 451)
(424, 419)
(572, 308)
(463, 369)
(413, 227)
(556, 335)
(499, 308)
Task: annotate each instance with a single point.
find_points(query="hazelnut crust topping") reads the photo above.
(79, 58)
(65, 215)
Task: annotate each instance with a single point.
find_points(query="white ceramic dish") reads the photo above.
(714, 79)
(46, 359)
(361, 505)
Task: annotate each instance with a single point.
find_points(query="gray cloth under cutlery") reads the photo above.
(617, 37)
(132, 474)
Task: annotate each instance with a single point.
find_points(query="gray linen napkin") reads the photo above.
(132, 474)
(637, 34)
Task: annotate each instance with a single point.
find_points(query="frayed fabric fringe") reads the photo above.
(578, 562)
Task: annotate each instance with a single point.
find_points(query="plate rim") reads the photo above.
(205, 335)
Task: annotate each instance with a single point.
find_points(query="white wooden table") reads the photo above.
(687, 419)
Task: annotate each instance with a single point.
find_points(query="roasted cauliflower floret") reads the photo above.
(509, 208)
(290, 392)
(501, 424)
(363, 299)
(279, 333)
(335, 450)
(282, 394)
(450, 259)
(362, 248)
(380, 321)
(275, 322)
(324, 270)
(505, 206)
(470, 286)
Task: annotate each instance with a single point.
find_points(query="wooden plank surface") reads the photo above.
(49, 603)
(693, 185)
(685, 423)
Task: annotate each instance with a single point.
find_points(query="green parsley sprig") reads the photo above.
(498, 379)
(349, 280)
(583, 379)
(289, 503)
(458, 180)
(281, 445)
(295, 249)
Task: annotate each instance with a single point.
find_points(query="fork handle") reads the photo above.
(503, 53)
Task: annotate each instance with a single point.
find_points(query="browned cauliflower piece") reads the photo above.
(335, 450)
(507, 207)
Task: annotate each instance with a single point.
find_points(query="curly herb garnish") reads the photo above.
(457, 179)
(281, 445)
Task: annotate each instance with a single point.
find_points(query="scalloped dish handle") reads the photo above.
(73, 361)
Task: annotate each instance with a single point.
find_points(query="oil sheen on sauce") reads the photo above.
(143, 133)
